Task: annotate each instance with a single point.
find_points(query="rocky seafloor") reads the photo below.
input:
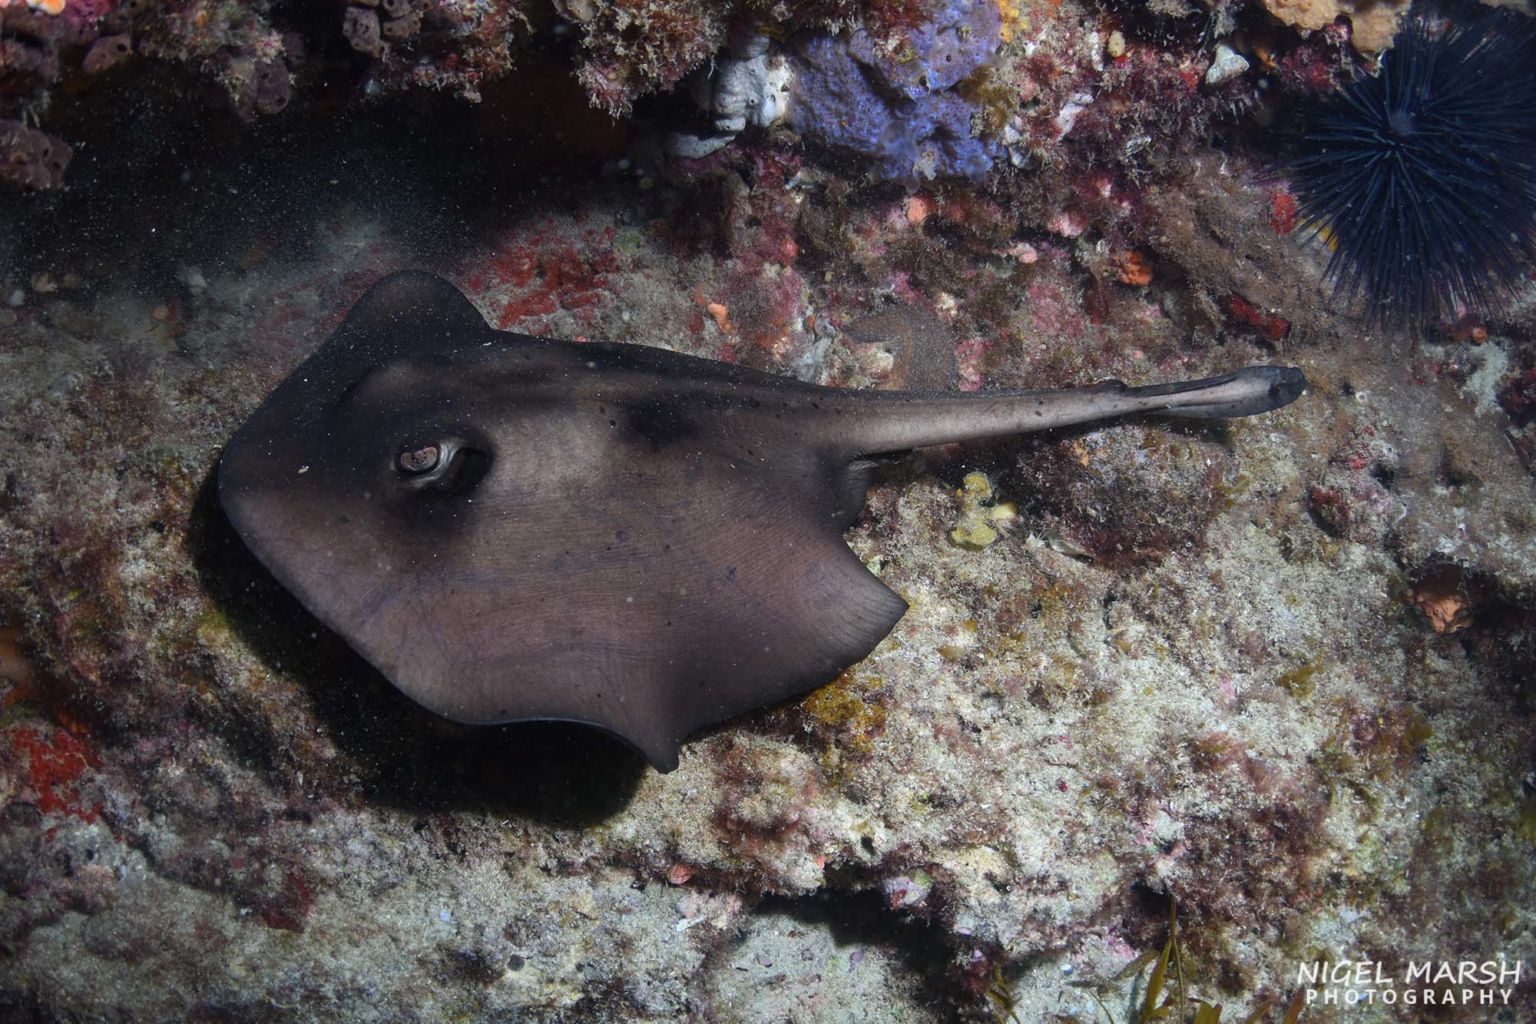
(1277, 673)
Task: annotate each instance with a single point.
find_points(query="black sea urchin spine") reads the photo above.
(1423, 177)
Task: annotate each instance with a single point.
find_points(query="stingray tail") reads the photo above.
(889, 422)
(1246, 392)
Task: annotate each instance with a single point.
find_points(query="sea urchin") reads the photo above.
(1423, 177)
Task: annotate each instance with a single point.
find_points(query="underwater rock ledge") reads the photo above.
(1278, 674)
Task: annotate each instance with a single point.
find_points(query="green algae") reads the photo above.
(1299, 682)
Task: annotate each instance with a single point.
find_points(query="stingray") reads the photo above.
(513, 528)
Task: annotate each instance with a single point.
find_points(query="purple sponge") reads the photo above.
(905, 114)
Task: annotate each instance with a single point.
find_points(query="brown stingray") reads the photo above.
(513, 528)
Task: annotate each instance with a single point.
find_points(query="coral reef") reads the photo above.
(1277, 673)
(633, 47)
(922, 89)
(454, 45)
(235, 45)
(1122, 691)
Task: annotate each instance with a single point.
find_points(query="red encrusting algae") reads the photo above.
(56, 763)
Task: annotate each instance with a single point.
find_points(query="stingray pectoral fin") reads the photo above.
(790, 622)
(792, 619)
(471, 668)
(866, 423)
(651, 672)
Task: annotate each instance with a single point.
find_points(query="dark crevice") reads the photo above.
(858, 918)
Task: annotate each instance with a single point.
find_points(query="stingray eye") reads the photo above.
(415, 461)
(449, 465)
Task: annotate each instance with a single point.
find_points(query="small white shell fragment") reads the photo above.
(1226, 65)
